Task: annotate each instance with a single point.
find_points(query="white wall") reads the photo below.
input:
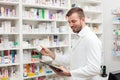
(112, 62)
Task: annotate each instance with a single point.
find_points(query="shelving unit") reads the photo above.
(9, 40)
(12, 3)
(28, 27)
(11, 64)
(25, 24)
(41, 33)
(116, 32)
(92, 1)
(44, 6)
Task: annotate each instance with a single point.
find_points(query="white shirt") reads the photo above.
(85, 56)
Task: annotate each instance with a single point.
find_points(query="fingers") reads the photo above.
(57, 72)
(45, 51)
(42, 46)
(63, 68)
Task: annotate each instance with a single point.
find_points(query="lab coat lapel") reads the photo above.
(81, 35)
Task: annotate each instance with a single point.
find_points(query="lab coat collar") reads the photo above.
(84, 31)
(81, 34)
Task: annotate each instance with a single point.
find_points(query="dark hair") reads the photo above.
(76, 10)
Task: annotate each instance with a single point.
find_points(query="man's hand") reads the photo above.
(64, 72)
(47, 52)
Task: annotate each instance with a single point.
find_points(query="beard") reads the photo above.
(77, 29)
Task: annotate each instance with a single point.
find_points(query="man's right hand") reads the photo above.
(47, 52)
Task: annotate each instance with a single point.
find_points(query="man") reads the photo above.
(85, 56)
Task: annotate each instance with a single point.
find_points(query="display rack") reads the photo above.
(116, 32)
(9, 40)
(26, 24)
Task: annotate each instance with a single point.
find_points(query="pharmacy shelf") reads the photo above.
(19, 20)
(58, 46)
(44, 6)
(9, 33)
(37, 19)
(48, 60)
(98, 33)
(118, 14)
(2, 49)
(116, 53)
(40, 75)
(10, 64)
(9, 3)
(116, 23)
(61, 20)
(92, 1)
(29, 48)
(33, 33)
(92, 12)
(9, 18)
(30, 62)
(47, 46)
(94, 22)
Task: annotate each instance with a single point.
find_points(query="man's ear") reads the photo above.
(83, 19)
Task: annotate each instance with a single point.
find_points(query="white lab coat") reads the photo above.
(85, 56)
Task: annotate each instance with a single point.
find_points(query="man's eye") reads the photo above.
(73, 21)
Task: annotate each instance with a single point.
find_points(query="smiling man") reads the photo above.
(85, 56)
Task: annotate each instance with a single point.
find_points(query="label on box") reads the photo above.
(38, 48)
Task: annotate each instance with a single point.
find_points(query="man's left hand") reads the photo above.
(64, 72)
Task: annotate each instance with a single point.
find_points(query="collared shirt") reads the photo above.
(85, 56)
